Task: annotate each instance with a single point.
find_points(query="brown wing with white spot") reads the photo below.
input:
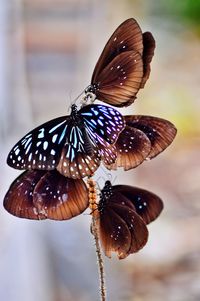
(127, 37)
(120, 80)
(80, 165)
(60, 198)
(46, 195)
(124, 65)
(159, 131)
(19, 199)
(121, 229)
(132, 146)
(147, 204)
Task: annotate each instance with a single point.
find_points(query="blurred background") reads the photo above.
(47, 55)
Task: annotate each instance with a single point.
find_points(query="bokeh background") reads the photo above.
(47, 55)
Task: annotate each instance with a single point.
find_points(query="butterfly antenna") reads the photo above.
(75, 100)
(70, 99)
(114, 180)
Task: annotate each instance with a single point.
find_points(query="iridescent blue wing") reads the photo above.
(41, 148)
(102, 123)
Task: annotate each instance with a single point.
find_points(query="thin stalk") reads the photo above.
(99, 260)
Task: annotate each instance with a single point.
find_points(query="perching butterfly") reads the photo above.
(123, 67)
(73, 144)
(39, 194)
(124, 211)
(144, 137)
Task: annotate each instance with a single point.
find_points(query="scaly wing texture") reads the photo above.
(159, 131)
(147, 204)
(40, 148)
(121, 229)
(124, 65)
(132, 147)
(46, 195)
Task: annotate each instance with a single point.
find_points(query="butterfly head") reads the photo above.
(90, 94)
(91, 88)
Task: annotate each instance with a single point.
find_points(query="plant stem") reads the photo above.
(99, 260)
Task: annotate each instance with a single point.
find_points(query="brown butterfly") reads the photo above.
(144, 137)
(124, 212)
(37, 195)
(124, 65)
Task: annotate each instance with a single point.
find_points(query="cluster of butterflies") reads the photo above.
(61, 152)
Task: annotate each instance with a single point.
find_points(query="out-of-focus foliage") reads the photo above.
(185, 10)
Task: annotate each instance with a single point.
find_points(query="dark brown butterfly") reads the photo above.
(124, 212)
(41, 195)
(124, 65)
(144, 137)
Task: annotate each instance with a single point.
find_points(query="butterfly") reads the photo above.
(74, 144)
(123, 67)
(124, 211)
(39, 194)
(144, 137)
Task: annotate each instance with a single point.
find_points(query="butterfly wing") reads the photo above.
(147, 204)
(60, 198)
(132, 147)
(40, 148)
(77, 165)
(46, 195)
(102, 123)
(120, 80)
(127, 37)
(120, 228)
(148, 53)
(159, 131)
(19, 199)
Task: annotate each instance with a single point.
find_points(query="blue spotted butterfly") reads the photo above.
(74, 145)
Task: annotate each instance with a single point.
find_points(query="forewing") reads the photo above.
(60, 198)
(19, 199)
(148, 53)
(126, 37)
(132, 146)
(103, 123)
(147, 204)
(120, 80)
(40, 148)
(160, 132)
